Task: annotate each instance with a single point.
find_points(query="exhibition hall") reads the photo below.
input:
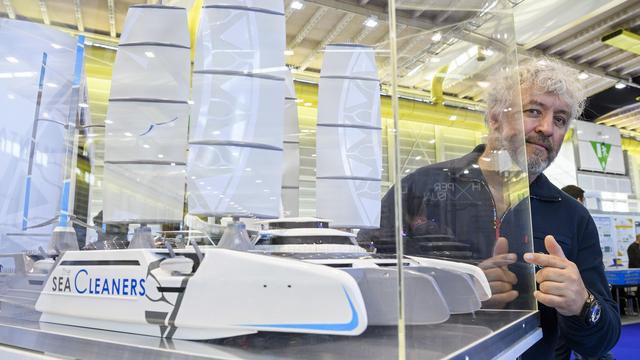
(319, 179)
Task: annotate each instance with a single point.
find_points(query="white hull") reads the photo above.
(229, 293)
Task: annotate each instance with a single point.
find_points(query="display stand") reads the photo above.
(481, 335)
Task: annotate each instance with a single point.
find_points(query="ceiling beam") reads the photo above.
(609, 59)
(595, 40)
(112, 18)
(608, 75)
(315, 18)
(366, 30)
(9, 9)
(593, 32)
(44, 12)
(626, 59)
(337, 29)
(597, 54)
(631, 69)
(367, 10)
(78, 14)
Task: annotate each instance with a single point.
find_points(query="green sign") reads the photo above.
(602, 152)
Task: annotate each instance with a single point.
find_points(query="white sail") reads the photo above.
(291, 170)
(32, 132)
(348, 138)
(147, 118)
(235, 140)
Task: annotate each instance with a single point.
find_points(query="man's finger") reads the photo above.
(499, 260)
(552, 246)
(501, 246)
(553, 301)
(500, 300)
(500, 287)
(545, 260)
(500, 274)
(551, 274)
(552, 288)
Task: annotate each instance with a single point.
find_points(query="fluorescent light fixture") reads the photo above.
(583, 75)
(483, 84)
(620, 85)
(128, 134)
(372, 21)
(12, 60)
(436, 37)
(52, 85)
(297, 5)
(288, 52)
(56, 46)
(150, 54)
(160, 156)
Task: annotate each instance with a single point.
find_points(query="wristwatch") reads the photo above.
(591, 310)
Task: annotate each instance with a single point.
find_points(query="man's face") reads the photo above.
(546, 120)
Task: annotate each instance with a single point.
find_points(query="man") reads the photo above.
(478, 204)
(575, 192)
(633, 252)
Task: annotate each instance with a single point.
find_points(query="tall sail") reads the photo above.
(235, 139)
(348, 143)
(146, 126)
(36, 75)
(291, 144)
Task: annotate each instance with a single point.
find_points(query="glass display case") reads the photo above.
(259, 179)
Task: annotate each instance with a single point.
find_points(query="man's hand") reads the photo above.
(501, 280)
(561, 285)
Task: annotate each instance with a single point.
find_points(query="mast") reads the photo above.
(348, 143)
(291, 144)
(147, 118)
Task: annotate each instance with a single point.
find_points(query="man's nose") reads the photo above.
(545, 125)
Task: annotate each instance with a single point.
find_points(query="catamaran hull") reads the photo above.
(229, 293)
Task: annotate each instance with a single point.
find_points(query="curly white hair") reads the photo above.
(540, 75)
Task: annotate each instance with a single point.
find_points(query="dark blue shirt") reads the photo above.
(449, 212)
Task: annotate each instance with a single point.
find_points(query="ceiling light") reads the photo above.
(150, 54)
(297, 5)
(436, 37)
(56, 46)
(372, 21)
(288, 52)
(583, 75)
(435, 60)
(620, 85)
(299, 100)
(308, 104)
(483, 84)
(11, 59)
(453, 118)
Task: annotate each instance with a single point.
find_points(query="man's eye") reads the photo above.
(532, 112)
(560, 120)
